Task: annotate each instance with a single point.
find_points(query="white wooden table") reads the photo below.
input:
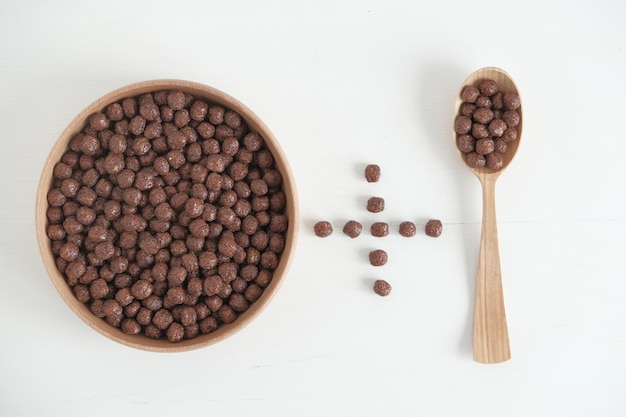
(343, 84)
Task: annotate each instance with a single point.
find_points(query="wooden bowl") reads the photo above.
(211, 95)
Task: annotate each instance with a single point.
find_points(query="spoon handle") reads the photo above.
(491, 337)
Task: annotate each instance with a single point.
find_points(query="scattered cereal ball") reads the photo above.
(379, 229)
(378, 257)
(323, 229)
(407, 229)
(433, 228)
(382, 287)
(376, 204)
(372, 173)
(353, 228)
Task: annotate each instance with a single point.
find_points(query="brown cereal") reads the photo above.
(510, 134)
(488, 88)
(511, 101)
(495, 160)
(252, 292)
(141, 289)
(465, 143)
(475, 160)
(162, 319)
(375, 204)
(164, 210)
(486, 122)
(323, 229)
(352, 228)
(485, 146)
(115, 112)
(216, 114)
(382, 287)
(208, 325)
(469, 93)
(378, 257)
(176, 100)
(462, 125)
(483, 101)
(372, 173)
(433, 228)
(497, 127)
(496, 101)
(467, 109)
(479, 131)
(130, 326)
(483, 115)
(407, 229)
(511, 118)
(500, 146)
(226, 314)
(379, 229)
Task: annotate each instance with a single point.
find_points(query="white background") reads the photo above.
(343, 84)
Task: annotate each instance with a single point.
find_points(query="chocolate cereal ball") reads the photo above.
(378, 257)
(465, 143)
(469, 93)
(375, 204)
(382, 287)
(353, 229)
(488, 88)
(462, 125)
(495, 160)
(407, 229)
(511, 101)
(379, 229)
(485, 146)
(372, 173)
(475, 160)
(433, 228)
(323, 229)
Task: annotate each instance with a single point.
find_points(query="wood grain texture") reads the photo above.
(491, 336)
(255, 124)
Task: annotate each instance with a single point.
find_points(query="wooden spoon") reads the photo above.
(491, 337)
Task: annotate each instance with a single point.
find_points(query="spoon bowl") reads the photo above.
(505, 84)
(491, 338)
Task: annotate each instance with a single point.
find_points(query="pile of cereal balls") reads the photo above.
(487, 122)
(353, 229)
(167, 215)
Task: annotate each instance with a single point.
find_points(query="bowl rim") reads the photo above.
(292, 210)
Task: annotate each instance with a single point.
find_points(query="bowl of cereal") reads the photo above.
(166, 215)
